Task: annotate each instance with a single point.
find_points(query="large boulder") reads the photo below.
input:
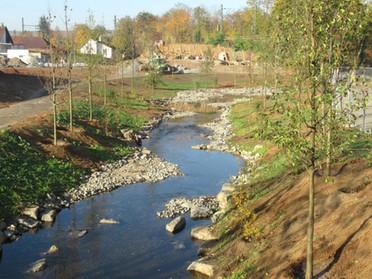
(176, 225)
(200, 212)
(48, 215)
(32, 211)
(201, 267)
(203, 234)
(28, 222)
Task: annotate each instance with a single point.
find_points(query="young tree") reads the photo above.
(69, 52)
(311, 38)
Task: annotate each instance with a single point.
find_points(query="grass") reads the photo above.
(35, 175)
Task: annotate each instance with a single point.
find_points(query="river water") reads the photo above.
(139, 246)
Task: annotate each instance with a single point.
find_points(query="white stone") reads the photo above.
(108, 221)
(176, 225)
(32, 211)
(203, 268)
(203, 234)
(48, 215)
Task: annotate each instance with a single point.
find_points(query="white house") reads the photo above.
(97, 47)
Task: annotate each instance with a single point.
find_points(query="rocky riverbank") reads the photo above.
(141, 166)
(213, 207)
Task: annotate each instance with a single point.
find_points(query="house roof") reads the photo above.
(31, 42)
(5, 37)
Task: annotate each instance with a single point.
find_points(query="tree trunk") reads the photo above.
(90, 97)
(54, 101)
(310, 219)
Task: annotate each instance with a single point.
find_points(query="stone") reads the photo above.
(78, 234)
(201, 267)
(176, 225)
(53, 249)
(48, 215)
(200, 212)
(32, 211)
(28, 222)
(108, 221)
(203, 234)
(38, 266)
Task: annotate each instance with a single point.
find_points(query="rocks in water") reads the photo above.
(176, 225)
(48, 215)
(38, 266)
(201, 267)
(201, 206)
(52, 250)
(32, 211)
(203, 234)
(108, 222)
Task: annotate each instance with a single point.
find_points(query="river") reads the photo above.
(139, 246)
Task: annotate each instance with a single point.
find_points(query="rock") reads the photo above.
(78, 234)
(132, 137)
(203, 234)
(32, 211)
(223, 198)
(176, 225)
(38, 266)
(108, 221)
(28, 222)
(48, 215)
(217, 216)
(200, 212)
(201, 267)
(53, 249)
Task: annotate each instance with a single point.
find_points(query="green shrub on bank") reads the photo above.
(27, 175)
(115, 119)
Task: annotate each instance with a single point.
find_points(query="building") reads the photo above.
(97, 47)
(6, 41)
(28, 47)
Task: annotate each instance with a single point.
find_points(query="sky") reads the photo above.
(102, 10)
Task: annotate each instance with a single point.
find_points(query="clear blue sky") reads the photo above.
(104, 11)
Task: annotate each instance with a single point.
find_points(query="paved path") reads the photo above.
(20, 111)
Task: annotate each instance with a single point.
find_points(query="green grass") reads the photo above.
(26, 175)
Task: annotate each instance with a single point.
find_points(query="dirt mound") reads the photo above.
(16, 63)
(3, 61)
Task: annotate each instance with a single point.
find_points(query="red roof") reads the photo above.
(30, 42)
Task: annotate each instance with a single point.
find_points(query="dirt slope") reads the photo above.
(343, 229)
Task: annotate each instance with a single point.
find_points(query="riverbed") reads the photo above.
(138, 246)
